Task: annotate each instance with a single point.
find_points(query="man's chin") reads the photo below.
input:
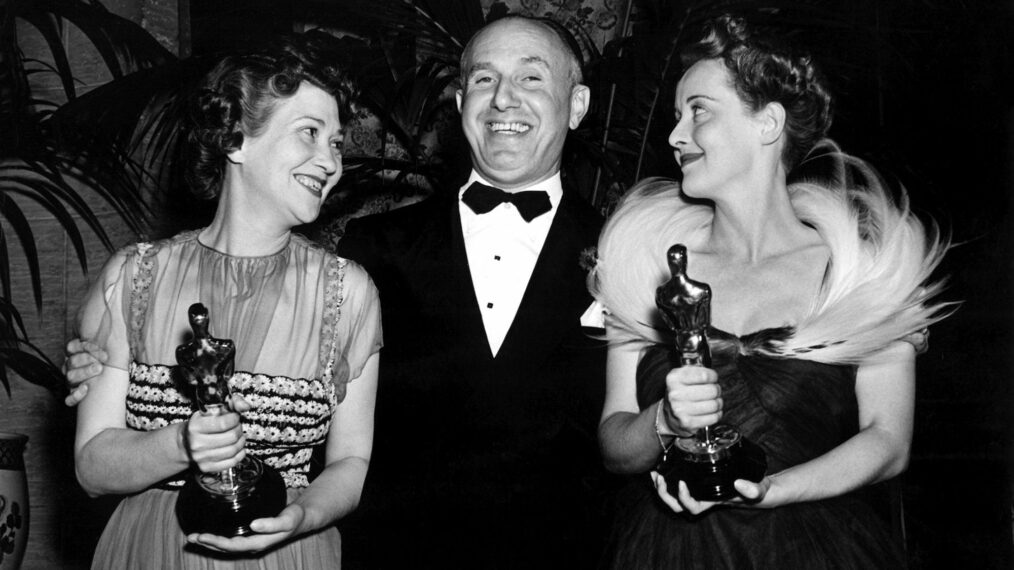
(513, 178)
(509, 155)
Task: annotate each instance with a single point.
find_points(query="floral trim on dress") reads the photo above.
(334, 297)
(291, 415)
(140, 292)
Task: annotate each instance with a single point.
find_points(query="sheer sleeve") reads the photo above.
(358, 333)
(100, 319)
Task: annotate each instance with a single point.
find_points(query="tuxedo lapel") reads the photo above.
(550, 295)
(429, 302)
(464, 305)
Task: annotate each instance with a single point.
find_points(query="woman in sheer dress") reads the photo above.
(819, 298)
(265, 138)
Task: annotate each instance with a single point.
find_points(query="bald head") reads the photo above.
(553, 32)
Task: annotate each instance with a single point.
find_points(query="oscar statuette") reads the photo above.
(715, 456)
(222, 503)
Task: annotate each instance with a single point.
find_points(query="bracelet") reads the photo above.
(184, 441)
(658, 429)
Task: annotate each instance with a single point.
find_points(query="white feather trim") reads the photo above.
(652, 217)
(877, 290)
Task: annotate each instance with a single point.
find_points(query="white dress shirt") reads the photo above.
(502, 250)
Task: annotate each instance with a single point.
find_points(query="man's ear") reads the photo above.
(772, 122)
(580, 98)
(457, 97)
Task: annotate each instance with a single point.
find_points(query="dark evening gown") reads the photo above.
(795, 410)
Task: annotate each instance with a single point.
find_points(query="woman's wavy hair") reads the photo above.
(238, 96)
(765, 71)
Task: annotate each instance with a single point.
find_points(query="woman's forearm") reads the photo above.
(885, 393)
(871, 456)
(110, 458)
(337, 490)
(120, 460)
(629, 442)
(333, 494)
(627, 434)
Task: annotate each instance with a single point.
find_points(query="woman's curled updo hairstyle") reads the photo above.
(237, 97)
(764, 72)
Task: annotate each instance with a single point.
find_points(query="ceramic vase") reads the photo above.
(13, 500)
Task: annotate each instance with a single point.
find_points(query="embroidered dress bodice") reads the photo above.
(290, 417)
(253, 301)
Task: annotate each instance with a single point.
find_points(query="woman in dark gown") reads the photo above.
(816, 289)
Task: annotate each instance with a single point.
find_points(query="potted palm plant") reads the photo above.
(51, 159)
(56, 174)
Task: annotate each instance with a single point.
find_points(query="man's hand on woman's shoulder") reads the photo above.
(83, 362)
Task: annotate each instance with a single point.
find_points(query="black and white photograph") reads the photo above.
(506, 284)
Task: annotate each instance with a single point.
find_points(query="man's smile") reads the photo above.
(508, 128)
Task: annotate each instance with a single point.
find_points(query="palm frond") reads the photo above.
(123, 45)
(23, 229)
(438, 29)
(21, 356)
(61, 157)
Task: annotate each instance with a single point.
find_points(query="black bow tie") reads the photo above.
(530, 204)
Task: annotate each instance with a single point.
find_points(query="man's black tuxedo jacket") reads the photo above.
(478, 461)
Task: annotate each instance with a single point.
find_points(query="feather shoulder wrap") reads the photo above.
(877, 289)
